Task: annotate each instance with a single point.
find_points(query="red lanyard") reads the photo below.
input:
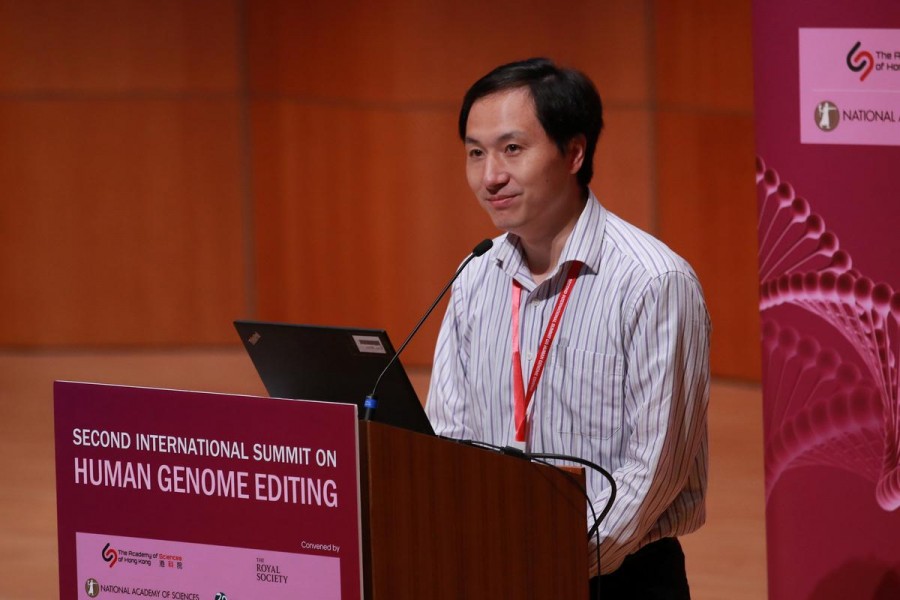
(520, 398)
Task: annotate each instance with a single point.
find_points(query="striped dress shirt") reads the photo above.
(626, 383)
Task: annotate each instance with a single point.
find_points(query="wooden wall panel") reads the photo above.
(358, 222)
(120, 170)
(707, 213)
(623, 166)
(362, 211)
(430, 52)
(64, 46)
(704, 57)
(353, 122)
(706, 203)
(120, 222)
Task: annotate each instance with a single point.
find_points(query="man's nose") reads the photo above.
(495, 174)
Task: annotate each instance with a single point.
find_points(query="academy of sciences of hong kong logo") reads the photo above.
(860, 61)
(110, 555)
(92, 588)
(827, 115)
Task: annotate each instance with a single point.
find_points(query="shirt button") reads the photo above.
(529, 357)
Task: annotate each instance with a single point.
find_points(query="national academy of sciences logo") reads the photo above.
(827, 115)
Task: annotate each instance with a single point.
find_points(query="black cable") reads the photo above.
(612, 483)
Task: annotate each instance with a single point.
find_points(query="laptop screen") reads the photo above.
(333, 364)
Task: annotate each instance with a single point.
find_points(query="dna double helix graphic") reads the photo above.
(825, 405)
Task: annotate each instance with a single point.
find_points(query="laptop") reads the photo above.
(333, 364)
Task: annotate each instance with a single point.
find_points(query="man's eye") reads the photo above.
(475, 153)
(513, 148)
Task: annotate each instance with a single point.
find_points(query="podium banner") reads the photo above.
(827, 111)
(197, 496)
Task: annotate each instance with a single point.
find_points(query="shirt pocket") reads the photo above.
(591, 393)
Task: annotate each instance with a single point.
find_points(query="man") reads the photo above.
(625, 378)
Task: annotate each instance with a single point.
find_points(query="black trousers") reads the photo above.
(655, 572)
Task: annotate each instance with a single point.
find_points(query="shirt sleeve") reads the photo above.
(447, 403)
(666, 347)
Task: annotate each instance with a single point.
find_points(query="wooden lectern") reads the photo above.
(445, 520)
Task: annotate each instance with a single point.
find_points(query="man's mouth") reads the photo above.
(501, 200)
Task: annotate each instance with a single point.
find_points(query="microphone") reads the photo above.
(371, 401)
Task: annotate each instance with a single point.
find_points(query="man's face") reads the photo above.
(516, 171)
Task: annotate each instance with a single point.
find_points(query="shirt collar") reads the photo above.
(583, 245)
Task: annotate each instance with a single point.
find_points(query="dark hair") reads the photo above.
(566, 102)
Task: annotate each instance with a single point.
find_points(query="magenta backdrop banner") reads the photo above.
(827, 109)
(197, 496)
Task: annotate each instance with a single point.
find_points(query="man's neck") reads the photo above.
(542, 254)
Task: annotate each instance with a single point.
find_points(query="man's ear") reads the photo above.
(575, 153)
